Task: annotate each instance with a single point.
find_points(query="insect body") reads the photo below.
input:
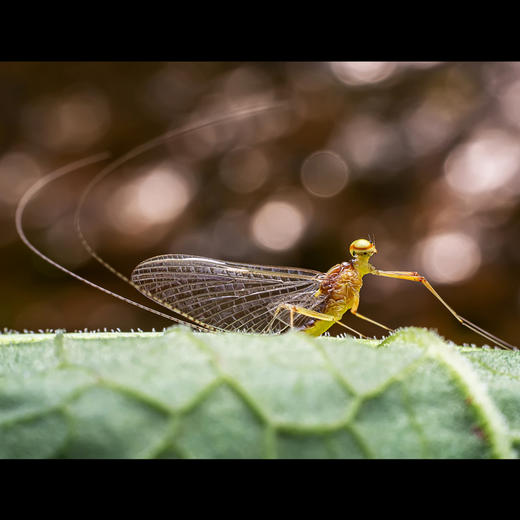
(253, 298)
(340, 286)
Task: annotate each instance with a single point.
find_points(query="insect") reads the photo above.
(214, 295)
(223, 295)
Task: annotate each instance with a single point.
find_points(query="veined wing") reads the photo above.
(230, 295)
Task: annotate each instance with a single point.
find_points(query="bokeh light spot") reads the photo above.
(487, 162)
(278, 225)
(369, 143)
(362, 72)
(324, 174)
(244, 170)
(156, 198)
(449, 257)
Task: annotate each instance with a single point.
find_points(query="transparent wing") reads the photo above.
(228, 295)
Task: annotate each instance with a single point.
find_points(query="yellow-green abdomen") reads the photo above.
(335, 309)
(318, 328)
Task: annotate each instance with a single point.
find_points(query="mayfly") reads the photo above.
(213, 295)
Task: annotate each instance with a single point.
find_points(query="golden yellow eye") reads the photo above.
(361, 246)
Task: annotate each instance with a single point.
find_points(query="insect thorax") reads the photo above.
(341, 282)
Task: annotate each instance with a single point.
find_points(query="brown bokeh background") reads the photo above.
(425, 157)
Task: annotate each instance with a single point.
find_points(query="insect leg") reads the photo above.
(354, 311)
(416, 277)
(290, 308)
(312, 314)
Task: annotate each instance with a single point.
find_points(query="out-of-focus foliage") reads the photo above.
(423, 156)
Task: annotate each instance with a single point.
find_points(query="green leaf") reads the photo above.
(182, 394)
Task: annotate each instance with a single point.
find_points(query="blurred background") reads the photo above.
(423, 156)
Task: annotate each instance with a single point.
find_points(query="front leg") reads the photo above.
(416, 277)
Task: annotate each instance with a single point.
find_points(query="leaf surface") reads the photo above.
(182, 394)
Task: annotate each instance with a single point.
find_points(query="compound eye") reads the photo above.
(362, 246)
